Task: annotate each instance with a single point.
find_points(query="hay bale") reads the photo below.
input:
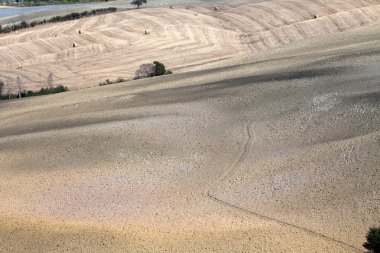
(216, 8)
(171, 7)
(315, 16)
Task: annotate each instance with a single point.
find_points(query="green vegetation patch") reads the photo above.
(373, 240)
(71, 16)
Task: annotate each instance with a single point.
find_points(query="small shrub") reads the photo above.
(34, 23)
(108, 82)
(120, 80)
(24, 24)
(373, 240)
(160, 68)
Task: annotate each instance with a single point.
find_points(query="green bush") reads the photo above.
(138, 3)
(160, 68)
(373, 240)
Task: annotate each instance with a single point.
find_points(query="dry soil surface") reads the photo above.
(114, 45)
(277, 153)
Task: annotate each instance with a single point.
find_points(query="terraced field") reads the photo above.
(114, 45)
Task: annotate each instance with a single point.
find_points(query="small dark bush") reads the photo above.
(34, 23)
(24, 24)
(138, 3)
(373, 240)
(160, 68)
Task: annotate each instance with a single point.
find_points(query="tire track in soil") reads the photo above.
(233, 169)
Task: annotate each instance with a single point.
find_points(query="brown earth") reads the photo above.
(273, 153)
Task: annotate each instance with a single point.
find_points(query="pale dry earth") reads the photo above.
(273, 153)
(114, 45)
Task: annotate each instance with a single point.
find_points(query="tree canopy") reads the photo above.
(373, 240)
(138, 3)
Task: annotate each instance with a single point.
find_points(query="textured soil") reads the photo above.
(273, 153)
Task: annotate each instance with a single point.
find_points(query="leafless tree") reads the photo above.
(20, 86)
(9, 90)
(145, 70)
(50, 80)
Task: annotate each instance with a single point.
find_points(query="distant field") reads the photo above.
(114, 45)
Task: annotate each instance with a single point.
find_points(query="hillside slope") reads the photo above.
(275, 155)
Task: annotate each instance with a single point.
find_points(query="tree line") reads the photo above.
(71, 16)
(7, 90)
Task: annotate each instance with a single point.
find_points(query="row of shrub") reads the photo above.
(47, 91)
(108, 82)
(72, 16)
(145, 70)
(28, 3)
(41, 92)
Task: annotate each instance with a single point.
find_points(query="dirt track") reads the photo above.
(114, 45)
(277, 153)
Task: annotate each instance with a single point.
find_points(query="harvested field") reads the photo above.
(114, 45)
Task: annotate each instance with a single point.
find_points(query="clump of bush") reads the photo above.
(72, 16)
(108, 82)
(150, 70)
(373, 240)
